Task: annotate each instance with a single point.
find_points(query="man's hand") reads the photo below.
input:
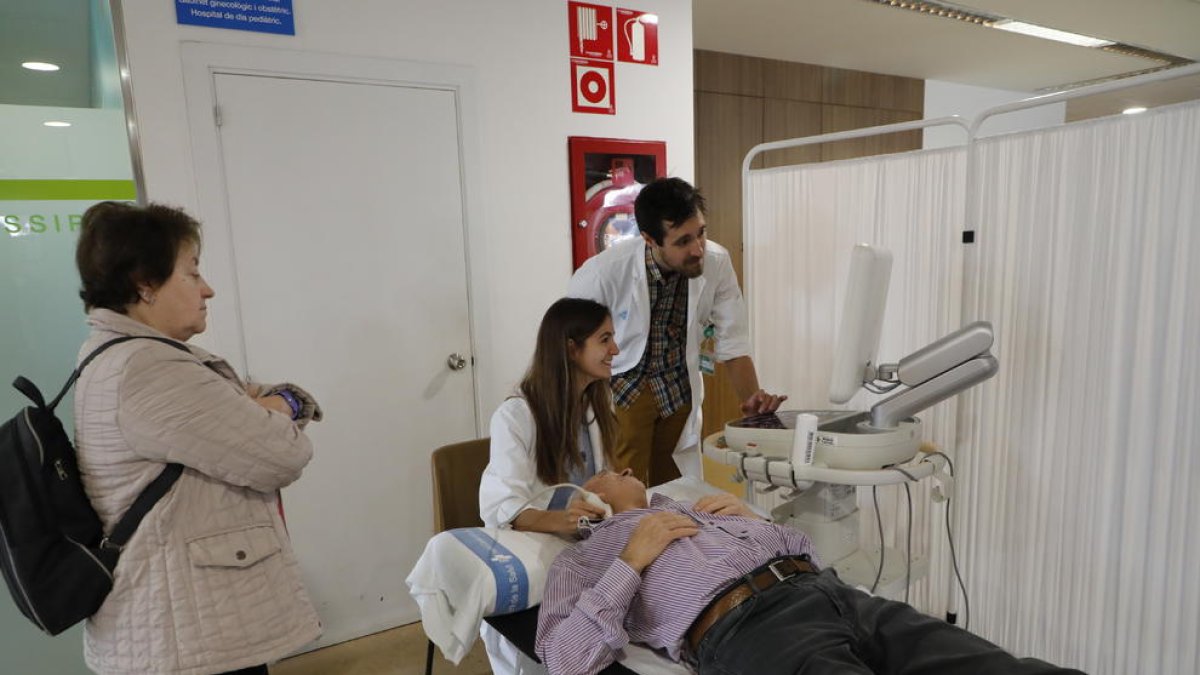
(652, 536)
(760, 402)
(724, 504)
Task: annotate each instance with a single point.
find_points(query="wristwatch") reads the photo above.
(292, 401)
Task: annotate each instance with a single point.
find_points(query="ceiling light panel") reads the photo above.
(1034, 30)
(948, 10)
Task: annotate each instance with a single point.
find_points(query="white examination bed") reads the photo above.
(465, 576)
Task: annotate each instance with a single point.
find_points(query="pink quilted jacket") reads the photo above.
(208, 583)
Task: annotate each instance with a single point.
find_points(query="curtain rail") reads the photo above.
(1101, 88)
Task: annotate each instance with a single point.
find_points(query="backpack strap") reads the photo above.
(30, 390)
(157, 487)
(141, 506)
(88, 359)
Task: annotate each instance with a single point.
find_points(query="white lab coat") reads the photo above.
(510, 482)
(617, 278)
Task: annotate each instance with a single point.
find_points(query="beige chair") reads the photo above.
(457, 470)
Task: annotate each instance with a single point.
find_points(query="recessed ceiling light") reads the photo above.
(39, 65)
(1134, 110)
(56, 123)
(1035, 30)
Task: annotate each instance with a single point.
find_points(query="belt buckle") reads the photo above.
(780, 575)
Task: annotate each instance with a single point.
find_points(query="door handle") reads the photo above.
(456, 361)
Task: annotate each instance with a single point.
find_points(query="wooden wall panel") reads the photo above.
(871, 90)
(727, 127)
(791, 119)
(841, 118)
(719, 73)
(793, 81)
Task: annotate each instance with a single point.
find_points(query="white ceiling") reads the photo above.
(866, 35)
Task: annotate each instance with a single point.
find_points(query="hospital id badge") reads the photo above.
(708, 351)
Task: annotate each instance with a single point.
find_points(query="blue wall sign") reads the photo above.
(262, 16)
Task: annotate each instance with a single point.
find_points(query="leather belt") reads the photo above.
(779, 569)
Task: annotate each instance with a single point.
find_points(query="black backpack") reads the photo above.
(55, 558)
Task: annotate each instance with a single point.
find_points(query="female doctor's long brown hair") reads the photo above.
(549, 384)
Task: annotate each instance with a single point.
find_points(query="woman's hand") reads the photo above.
(276, 403)
(724, 504)
(581, 509)
(554, 522)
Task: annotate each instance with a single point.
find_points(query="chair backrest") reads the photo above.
(457, 470)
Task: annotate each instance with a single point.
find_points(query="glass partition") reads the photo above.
(63, 147)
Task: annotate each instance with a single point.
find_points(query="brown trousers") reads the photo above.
(646, 442)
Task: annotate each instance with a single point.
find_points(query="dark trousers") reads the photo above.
(256, 670)
(815, 624)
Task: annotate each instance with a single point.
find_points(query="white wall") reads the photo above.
(949, 98)
(520, 250)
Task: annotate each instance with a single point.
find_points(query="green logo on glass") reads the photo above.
(41, 223)
(49, 207)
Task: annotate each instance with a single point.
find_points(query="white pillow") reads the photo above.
(467, 574)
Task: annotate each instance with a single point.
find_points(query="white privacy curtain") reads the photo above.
(1078, 464)
(1080, 527)
(804, 220)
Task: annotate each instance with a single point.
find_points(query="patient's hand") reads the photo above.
(724, 504)
(652, 536)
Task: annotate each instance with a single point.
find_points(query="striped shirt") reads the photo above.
(594, 604)
(663, 365)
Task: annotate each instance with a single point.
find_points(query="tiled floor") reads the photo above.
(399, 651)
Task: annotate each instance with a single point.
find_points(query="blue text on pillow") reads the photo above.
(512, 583)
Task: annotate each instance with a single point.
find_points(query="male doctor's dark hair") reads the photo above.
(666, 200)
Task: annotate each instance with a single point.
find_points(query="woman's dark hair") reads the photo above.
(549, 388)
(122, 246)
(669, 200)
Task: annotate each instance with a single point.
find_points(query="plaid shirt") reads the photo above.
(663, 365)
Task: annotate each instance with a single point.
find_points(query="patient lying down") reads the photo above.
(713, 585)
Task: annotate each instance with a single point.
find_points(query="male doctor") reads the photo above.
(664, 290)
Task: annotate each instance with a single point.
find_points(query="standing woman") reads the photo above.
(558, 429)
(208, 582)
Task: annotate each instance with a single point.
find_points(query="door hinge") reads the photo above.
(217, 114)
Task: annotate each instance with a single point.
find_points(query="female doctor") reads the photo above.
(559, 428)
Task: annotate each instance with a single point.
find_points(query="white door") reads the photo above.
(346, 230)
